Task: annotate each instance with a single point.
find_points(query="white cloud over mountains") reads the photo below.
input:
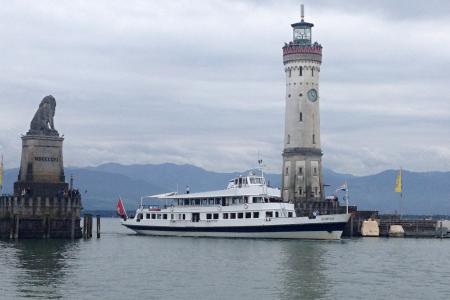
(202, 82)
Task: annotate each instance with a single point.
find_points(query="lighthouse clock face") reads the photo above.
(312, 95)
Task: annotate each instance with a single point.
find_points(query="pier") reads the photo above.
(413, 227)
(40, 217)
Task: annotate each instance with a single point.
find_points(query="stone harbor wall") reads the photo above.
(38, 217)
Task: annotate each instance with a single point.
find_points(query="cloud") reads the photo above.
(203, 82)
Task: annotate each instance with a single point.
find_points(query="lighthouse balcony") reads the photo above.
(294, 51)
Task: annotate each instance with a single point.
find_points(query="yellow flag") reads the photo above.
(398, 182)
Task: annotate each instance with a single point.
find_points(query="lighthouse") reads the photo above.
(302, 179)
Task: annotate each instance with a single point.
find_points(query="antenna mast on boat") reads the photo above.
(260, 163)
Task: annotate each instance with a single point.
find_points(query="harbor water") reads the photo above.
(122, 265)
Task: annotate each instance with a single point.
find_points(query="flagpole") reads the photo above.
(401, 192)
(346, 197)
(1, 176)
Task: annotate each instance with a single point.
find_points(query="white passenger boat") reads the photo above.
(248, 208)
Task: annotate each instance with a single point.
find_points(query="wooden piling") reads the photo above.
(87, 226)
(98, 226)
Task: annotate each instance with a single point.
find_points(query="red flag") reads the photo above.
(121, 210)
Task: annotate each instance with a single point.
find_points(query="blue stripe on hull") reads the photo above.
(266, 228)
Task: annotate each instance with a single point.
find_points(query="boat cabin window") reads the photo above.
(197, 201)
(215, 216)
(186, 201)
(290, 214)
(218, 201)
(248, 215)
(165, 216)
(276, 214)
(257, 200)
(208, 216)
(225, 215)
(211, 201)
(147, 216)
(153, 216)
(171, 216)
(256, 214)
(232, 215)
(195, 217)
(240, 215)
(159, 216)
(269, 214)
(184, 217)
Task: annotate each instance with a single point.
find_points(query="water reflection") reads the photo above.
(42, 266)
(304, 270)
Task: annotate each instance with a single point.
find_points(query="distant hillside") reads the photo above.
(424, 192)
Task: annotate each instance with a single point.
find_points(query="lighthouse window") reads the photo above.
(314, 138)
(300, 191)
(301, 71)
(315, 190)
(287, 171)
(289, 72)
(301, 117)
(315, 171)
(312, 72)
(288, 139)
(300, 171)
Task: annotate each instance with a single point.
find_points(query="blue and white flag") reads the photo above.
(343, 187)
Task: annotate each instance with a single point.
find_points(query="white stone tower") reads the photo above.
(302, 180)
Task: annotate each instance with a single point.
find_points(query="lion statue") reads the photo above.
(42, 122)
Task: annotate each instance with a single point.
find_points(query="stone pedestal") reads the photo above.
(41, 168)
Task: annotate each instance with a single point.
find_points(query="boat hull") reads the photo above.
(308, 235)
(313, 230)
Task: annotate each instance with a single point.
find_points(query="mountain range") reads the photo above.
(425, 193)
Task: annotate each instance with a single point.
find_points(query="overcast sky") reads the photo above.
(202, 82)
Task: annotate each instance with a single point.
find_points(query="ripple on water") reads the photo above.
(123, 265)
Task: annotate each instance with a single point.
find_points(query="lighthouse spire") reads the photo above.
(302, 12)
